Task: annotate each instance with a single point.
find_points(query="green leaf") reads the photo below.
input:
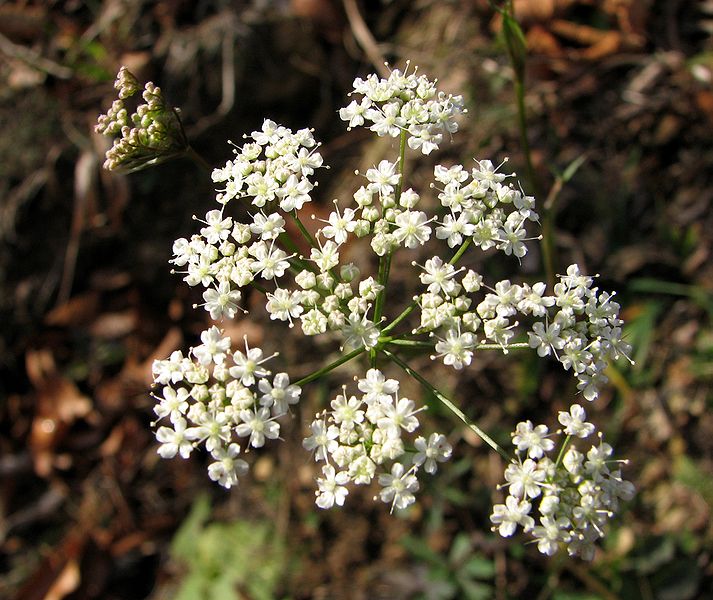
(184, 542)
(573, 167)
(460, 549)
(516, 44)
(478, 567)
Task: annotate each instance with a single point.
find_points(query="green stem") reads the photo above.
(405, 313)
(330, 367)
(448, 404)
(402, 159)
(198, 159)
(411, 307)
(560, 456)
(461, 251)
(385, 261)
(513, 346)
(382, 277)
(411, 343)
(548, 246)
(303, 230)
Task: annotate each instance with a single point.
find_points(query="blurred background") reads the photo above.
(624, 88)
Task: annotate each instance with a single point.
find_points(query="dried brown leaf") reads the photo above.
(78, 310)
(58, 404)
(114, 325)
(67, 581)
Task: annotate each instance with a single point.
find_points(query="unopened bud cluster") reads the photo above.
(151, 134)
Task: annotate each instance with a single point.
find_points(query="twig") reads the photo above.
(34, 59)
(364, 38)
(228, 84)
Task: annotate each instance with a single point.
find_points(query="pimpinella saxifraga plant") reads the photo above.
(226, 398)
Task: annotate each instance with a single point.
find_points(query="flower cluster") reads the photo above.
(361, 435)
(227, 401)
(578, 324)
(404, 103)
(150, 135)
(576, 495)
(215, 397)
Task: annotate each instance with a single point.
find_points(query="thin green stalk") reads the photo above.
(411, 307)
(410, 343)
(303, 230)
(198, 159)
(560, 456)
(402, 160)
(382, 278)
(448, 404)
(548, 248)
(461, 251)
(405, 313)
(513, 346)
(330, 367)
(385, 261)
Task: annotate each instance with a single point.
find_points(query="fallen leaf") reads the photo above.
(59, 403)
(67, 581)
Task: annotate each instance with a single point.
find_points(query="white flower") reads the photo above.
(258, 425)
(435, 449)
(550, 533)
(412, 228)
(212, 428)
(456, 349)
(383, 178)
(217, 228)
(248, 366)
(359, 331)
(574, 422)
(326, 257)
(214, 347)
(454, 229)
(511, 514)
(398, 487)
(170, 370)
(174, 404)
(313, 322)
(347, 413)
(376, 387)
(305, 162)
(487, 174)
(332, 488)
(227, 467)
(323, 439)
(534, 301)
(284, 305)
(387, 121)
(424, 137)
(270, 262)
(268, 227)
(362, 469)
(294, 193)
(173, 441)
(354, 112)
(280, 394)
(525, 478)
(339, 225)
(534, 440)
(438, 276)
(222, 302)
(401, 415)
